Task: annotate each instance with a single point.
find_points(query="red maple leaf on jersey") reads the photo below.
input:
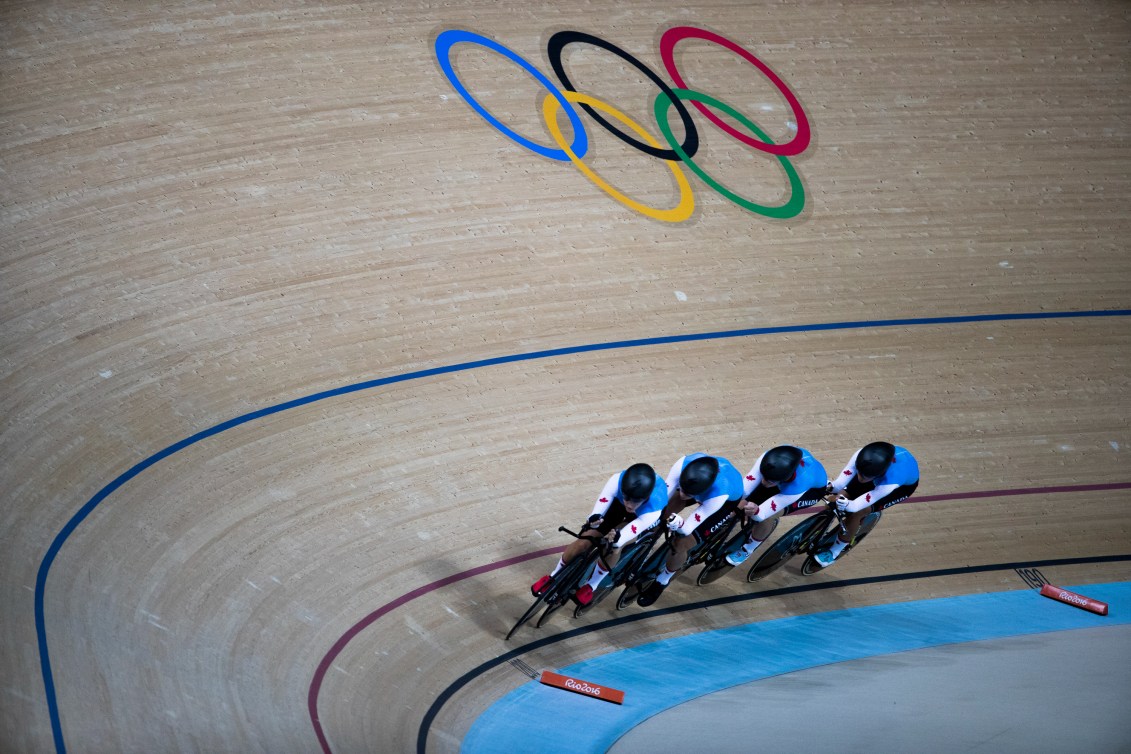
(773, 506)
(847, 472)
(750, 477)
(604, 500)
(698, 517)
(634, 528)
(868, 498)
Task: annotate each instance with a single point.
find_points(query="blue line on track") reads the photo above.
(80, 516)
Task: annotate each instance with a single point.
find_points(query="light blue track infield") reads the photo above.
(663, 674)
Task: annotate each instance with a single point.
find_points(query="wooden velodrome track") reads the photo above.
(263, 488)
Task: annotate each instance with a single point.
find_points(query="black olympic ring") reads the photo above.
(554, 49)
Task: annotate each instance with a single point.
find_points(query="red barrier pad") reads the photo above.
(577, 686)
(1076, 600)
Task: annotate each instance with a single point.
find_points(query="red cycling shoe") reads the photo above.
(539, 587)
(584, 595)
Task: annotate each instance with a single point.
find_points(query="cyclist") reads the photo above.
(637, 496)
(878, 476)
(783, 479)
(715, 486)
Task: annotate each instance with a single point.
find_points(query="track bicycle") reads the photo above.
(809, 537)
(564, 585)
(717, 567)
(626, 569)
(702, 552)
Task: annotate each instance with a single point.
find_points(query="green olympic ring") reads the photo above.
(791, 208)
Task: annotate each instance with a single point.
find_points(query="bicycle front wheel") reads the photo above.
(561, 587)
(571, 578)
(539, 602)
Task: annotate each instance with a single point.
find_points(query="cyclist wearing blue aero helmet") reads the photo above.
(878, 476)
(631, 500)
(783, 479)
(715, 485)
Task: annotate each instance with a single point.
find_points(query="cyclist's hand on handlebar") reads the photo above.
(593, 522)
(749, 508)
(842, 503)
(675, 521)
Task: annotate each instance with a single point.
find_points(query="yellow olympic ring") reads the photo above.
(679, 213)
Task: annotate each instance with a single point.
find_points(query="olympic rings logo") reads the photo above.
(676, 152)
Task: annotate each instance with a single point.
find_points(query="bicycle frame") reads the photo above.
(566, 582)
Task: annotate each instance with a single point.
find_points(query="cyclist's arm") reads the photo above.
(847, 475)
(871, 498)
(751, 481)
(700, 513)
(775, 504)
(605, 499)
(633, 529)
(673, 477)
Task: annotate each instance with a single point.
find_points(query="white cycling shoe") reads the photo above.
(825, 558)
(739, 556)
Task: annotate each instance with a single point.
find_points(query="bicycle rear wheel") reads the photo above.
(790, 544)
(629, 563)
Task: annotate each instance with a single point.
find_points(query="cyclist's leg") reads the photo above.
(853, 520)
(628, 534)
(573, 549)
(694, 533)
(701, 524)
(854, 490)
(765, 520)
(580, 546)
(614, 517)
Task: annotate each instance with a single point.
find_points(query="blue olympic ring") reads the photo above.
(451, 37)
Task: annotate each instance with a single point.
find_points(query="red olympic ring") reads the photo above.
(797, 145)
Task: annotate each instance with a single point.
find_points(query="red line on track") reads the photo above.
(364, 623)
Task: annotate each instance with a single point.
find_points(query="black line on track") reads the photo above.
(469, 676)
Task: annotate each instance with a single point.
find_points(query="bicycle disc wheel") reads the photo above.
(819, 544)
(811, 566)
(626, 568)
(646, 576)
(866, 526)
(718, 566)
(713, 571)
(785, 548)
